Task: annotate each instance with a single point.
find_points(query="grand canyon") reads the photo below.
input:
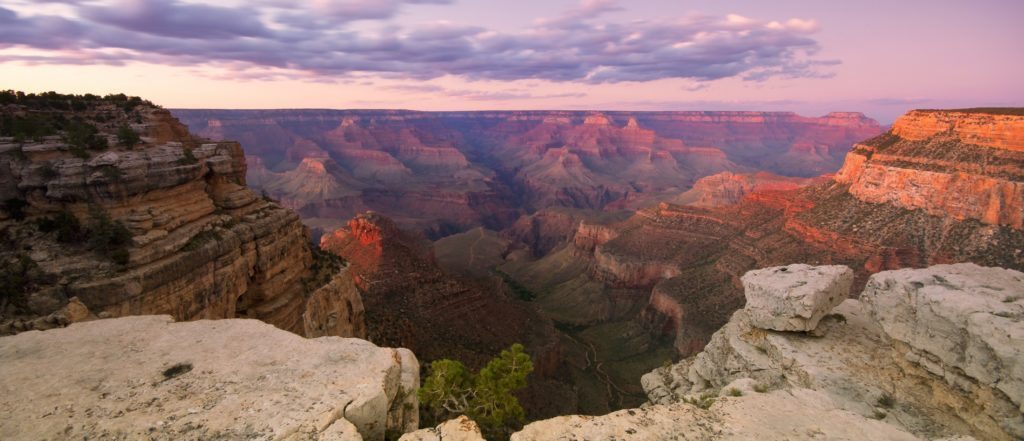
(709, 227)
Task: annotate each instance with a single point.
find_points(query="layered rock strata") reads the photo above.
(198, 242)
(148, 377)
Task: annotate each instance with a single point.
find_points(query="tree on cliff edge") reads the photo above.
(486, 397)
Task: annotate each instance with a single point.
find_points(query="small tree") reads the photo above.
(127, 137)
(486, 397)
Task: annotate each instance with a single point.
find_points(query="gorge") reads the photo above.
(608, 243)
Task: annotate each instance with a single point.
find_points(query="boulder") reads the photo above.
(147, 377)
(957, 321)
(794, 297)
(458, 429)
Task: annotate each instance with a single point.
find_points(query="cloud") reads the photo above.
(581, 44)
(480, 95)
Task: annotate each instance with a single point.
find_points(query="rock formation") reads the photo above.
(445, 172)
(925, 354)
(148, 377)
(165, 226)
(458, 429)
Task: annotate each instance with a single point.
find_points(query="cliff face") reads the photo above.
(444, 172)
(962, 165)
(150, 378)
(166, 226)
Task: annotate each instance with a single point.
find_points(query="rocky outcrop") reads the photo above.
(933, 351)
(728, 188)
(148, 377)
(964, 165)
(196, 243)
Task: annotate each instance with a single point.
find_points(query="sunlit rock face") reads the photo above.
(201, 244)
(444, 172)
(966, 165)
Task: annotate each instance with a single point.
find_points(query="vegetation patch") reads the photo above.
(518, 289)
(15, 208)
(18, 277)
(485, 396)
(200, 239)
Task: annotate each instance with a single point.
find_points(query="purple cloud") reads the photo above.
(579, 45)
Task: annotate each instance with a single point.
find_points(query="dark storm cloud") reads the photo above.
(578, 45)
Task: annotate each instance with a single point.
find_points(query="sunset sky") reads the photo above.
(881, 57)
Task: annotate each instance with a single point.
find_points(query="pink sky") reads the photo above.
(879, 57)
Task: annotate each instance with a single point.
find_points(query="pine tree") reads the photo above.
(486, 396)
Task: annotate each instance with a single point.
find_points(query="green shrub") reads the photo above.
(733, 392)
(107, 237)
(127, 137)
(486, 396)
(83, 135)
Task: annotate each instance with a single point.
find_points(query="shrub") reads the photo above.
(84, 136)
(127, 137)
(486, 396)
(107, 237)
(16, 281)
(187, 158)
(15, 208)
(198, 240)
(733, 392)
(760, 388)
(68, 229)
(886, 401)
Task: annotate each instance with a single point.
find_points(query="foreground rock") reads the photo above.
(794, 297)
(936, 352)
(792, 414)
(148, 377)
(458, 429)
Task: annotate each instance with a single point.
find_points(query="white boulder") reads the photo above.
(794, 297)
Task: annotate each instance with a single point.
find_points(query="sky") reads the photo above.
(880, 57)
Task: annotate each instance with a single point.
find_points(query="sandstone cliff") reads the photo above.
(162, 225)
(150, 378)
(924, 354)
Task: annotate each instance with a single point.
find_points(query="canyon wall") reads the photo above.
(164, 226)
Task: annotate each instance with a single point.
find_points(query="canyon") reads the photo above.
(608, 243)
(447, 172)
